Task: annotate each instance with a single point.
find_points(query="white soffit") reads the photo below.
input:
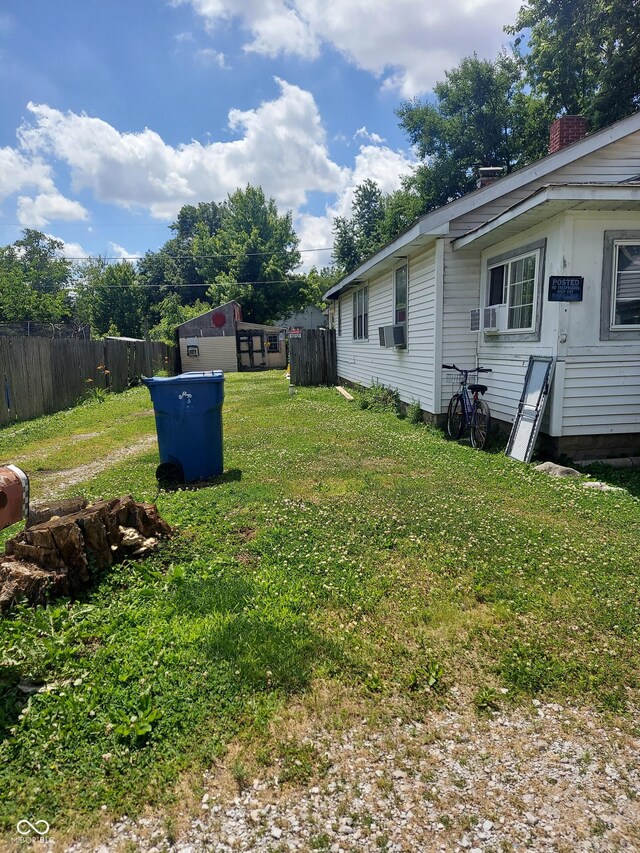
(546, 203)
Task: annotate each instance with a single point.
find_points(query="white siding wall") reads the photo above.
(461, 294)
(411, 371)
(463, 271)
(216, 353)
(596, 389)
(602, 378)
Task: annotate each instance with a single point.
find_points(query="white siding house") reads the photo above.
(574, 213)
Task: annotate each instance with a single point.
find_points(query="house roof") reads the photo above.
(436, 223)
(547, 202)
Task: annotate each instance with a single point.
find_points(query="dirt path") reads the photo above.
(51, 485)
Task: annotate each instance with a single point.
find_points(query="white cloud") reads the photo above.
(122, 254)
(48, 207)
(407, 43)
(18, 171)
(282, 147)
(379, 164)
(208, 56)
(363, 133)
(70, 250)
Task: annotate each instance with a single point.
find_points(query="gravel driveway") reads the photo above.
(547, 777)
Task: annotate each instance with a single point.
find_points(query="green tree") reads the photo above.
(481, 116)
(583, 56)
(116, 300)
(34, 280)
(251, 257)
(356, 237)
(172, 313)
(316, 284)
(174, 268)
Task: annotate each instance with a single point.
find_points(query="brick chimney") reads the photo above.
(565, 130)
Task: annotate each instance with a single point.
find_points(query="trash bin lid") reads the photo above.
(192, 376)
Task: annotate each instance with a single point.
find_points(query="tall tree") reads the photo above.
(583, 56)
(117, 301)
(481, 116)
(174, 269)
(34, 279)
(251, 257)
(359, 235)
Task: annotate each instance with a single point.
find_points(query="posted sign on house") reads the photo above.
(565, 288)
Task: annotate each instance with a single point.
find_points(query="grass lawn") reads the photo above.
(343, 547)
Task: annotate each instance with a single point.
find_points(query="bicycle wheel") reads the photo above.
(480, 424)
(455, 416)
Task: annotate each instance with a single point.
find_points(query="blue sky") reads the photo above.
(115, 114)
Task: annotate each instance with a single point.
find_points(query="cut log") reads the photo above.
(39, 512)
(54, 557)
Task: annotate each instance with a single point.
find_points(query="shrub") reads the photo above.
(379, 398)
(414, 412)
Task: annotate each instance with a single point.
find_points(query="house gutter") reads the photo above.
(417, 235)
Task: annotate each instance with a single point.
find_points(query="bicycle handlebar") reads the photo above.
(473, 370)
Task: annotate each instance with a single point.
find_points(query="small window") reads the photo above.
(625, 303)
(400, 295)
(514, 283)
(361, 314)
(273, 343)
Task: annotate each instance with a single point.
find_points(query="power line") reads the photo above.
(75, 288)
(178, 255)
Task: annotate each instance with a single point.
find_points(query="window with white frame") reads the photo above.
(361, 314)
(620, 294)
(400, 295)
(273, 343)
(514, 282)
(625, 301)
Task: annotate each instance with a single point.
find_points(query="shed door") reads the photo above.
(526, 424)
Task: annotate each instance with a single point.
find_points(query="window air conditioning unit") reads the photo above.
(391, 336)
(494, 318)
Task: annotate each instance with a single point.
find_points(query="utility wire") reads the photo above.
(179, 255)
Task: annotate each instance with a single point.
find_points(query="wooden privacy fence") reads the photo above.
(312, 357)
(40, 376)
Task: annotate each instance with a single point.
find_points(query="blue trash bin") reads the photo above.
(188, 410)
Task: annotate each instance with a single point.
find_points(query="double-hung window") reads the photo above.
(514, 282)
(620, 301)
(400, 295)
(361, 314)
(625, 301)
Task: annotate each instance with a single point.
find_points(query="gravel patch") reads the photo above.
(547, 777)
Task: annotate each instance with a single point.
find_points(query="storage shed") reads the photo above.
(220, 340)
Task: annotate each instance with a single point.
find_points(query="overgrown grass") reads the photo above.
(349, 546)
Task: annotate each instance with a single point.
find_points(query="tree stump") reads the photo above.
(53, 557)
